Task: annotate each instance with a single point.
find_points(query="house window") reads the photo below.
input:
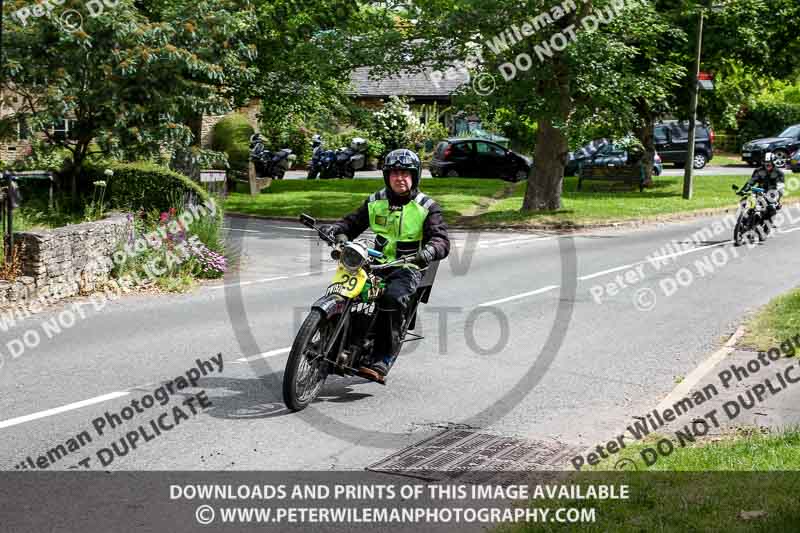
(23, 131)
(64, 129)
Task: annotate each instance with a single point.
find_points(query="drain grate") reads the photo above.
(475, 457)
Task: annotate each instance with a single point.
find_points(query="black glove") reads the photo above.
(329, 230)
(424, 256)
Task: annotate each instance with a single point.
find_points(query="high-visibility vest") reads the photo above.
(401, 226)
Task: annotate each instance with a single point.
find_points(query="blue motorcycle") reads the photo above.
(323, 162)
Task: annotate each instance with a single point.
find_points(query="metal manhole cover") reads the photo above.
(475, 457)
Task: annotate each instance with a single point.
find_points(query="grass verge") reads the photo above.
(746, 450)
(777, 321)
(735, 484)
(494, 203)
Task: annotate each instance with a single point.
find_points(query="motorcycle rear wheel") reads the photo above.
(312, 174)
(306, 370)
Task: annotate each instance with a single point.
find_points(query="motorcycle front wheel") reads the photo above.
(306, 368)
(744, 231)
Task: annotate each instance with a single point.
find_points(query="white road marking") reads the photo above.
(293, 228)
(264, 355)
(64, 408)
(690, 381)
(519, 296)
(652, 259)
(609, 271)
(788, 230)
(245, 230)
(267, 280)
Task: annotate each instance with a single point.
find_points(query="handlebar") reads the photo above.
(309, 221)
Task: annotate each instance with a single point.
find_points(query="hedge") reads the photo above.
(232, 136)
(766, 119)
(145, 184)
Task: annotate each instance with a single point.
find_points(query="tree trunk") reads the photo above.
(546, 179)
(646, 136)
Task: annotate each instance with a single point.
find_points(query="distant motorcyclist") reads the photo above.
(771, 179)
(406, 222)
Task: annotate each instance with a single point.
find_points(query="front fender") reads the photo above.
(331, 304)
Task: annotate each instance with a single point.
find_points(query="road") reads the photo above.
(615, 361)
(668, 171)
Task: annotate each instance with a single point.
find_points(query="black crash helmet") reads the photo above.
(403, 159)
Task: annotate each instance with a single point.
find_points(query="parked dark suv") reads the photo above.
(478, 158)
(782, 146)
(672, 143)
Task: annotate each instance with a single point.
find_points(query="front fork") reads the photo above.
(333, 305)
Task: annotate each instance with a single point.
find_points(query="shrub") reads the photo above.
(44, 156)
(291, 134)
(146, 185)
(232, 136)
(395, 124)
(767, 118)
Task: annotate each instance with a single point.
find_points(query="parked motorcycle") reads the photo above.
(752, 221)
(342, 163)
(269, 164)
(338, 334)
(323, 162)
(351, 159)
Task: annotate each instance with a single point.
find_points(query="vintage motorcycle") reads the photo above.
(752, 221)
(269, 164)
(338, 334)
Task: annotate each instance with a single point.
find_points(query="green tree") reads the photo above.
(124, 81)
(572, 72)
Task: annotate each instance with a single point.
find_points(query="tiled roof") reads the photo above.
(407, 84)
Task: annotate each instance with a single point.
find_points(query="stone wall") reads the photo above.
(208, 122)
(63, 262)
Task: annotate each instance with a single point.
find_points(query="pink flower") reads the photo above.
(164, 217)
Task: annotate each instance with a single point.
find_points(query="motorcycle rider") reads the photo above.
(406, 223)
(771, 179)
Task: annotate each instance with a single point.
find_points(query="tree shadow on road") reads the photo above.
(247, 399)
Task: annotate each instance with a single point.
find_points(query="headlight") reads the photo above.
(353, 257)
(773, 196)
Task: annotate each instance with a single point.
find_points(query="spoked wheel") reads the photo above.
(306, 368)
(781, 158)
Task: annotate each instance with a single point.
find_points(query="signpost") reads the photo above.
(213, 179)
(256, 183)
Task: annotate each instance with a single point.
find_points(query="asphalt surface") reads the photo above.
(616, 360)
(668, 171)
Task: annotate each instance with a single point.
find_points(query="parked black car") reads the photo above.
(477, 158)
(672, 143)
(795, 161)
(782, 146)
(603, 153)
